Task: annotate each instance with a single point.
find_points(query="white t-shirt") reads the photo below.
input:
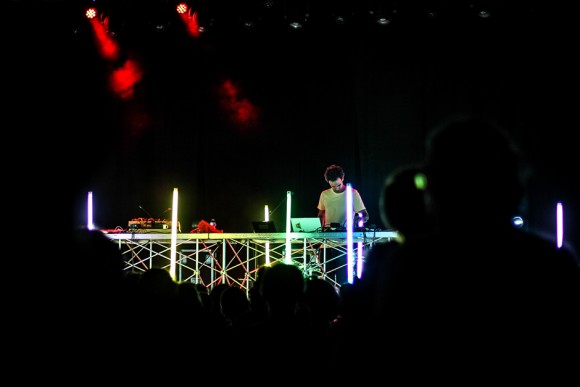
(334, 206)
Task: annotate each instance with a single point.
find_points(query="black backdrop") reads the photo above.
(359, 96)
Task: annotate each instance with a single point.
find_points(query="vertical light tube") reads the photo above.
(172, 267)
(288, 255)
(267, 218)
(559, 225)
(349, 237)
(359, 261)
(90, 223)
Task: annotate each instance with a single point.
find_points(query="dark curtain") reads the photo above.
(363, 98)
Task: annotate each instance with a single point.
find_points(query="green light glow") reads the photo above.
(421, 181)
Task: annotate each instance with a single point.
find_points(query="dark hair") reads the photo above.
(333, 172)
(402, 203)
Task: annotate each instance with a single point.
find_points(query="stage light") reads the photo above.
(288, 253)
(432, 15)
(189, 17)
(295, 25)
(91, 13)
(90, 223)
(342, 12)
(182, 8)
(267, 247)
(173, 254)
(297, 15)
(382, 14)
(420, 181)
(359, 260)
(383, 21)
(559, 225)
(349, 236)
(484, 14)
(252, 14)
(482, 8)
(518, 221)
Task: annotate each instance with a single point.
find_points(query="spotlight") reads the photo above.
(249, 24)
(484, 14)
(182, 8)
(91, 13)
(518, 221)
(383, 13)
(383, 21)
(295, 25)
(297, 15)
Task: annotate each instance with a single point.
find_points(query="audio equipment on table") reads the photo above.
(151, 224)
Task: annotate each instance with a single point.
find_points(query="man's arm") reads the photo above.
(322, 216)
(365, 215)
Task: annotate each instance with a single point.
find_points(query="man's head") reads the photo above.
(334, 175)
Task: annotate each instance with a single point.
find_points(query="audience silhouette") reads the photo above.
(233, 303)
(475, 288)
(403, 208)
(258, 308)
(284, 330)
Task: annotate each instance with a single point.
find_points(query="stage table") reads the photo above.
(233, 258)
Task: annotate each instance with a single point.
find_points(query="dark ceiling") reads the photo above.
(128, 16)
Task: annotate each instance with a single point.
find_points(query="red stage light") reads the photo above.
(182, 8)
(91, 13)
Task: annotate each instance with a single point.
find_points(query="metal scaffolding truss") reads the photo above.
(230, 258)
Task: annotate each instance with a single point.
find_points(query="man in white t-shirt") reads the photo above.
(332, 201)
(333, 215)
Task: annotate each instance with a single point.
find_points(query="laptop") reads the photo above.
(306, 224)
(263, 226)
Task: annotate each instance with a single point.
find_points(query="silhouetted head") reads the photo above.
(157, 283)
(215, 295)
(322, 299)
(282, 284)
(474, 174)
(233, 302)
(402, 203)
(97, 258)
